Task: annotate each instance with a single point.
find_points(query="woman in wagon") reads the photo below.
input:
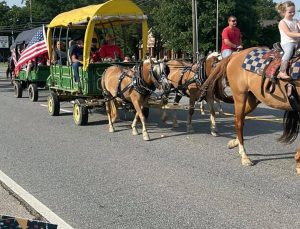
(109, 50)
(59, 54)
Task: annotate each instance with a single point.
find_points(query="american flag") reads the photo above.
(36, 47)
(14, 56)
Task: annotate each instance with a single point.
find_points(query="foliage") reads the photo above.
(170, 20)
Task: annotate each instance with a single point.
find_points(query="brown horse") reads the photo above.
(246, 91)
(210, 63)
(121, 85)
(186, 79)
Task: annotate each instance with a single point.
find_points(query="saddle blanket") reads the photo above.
(295, 70)
(255, 63)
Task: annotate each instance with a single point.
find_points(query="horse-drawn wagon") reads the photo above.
(34, 76)
(88, 23)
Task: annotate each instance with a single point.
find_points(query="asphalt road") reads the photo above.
(95, 179)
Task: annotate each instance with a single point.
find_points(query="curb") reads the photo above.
(34, 206)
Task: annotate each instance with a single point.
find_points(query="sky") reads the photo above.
(297, 3)
(10, 3)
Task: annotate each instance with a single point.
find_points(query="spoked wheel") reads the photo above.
(53, 104)
(18, 89)
(80, 112)
(33, 92)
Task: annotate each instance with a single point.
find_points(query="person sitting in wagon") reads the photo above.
(95, 52)
(59, 55)
(109, 50)
(77, 58)
(39, 60)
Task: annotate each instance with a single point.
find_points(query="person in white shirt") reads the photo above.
(289, 29)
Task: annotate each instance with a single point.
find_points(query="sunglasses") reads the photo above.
(233, 20)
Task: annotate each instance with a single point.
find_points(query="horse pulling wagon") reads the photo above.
(91, 23)
(33, 78)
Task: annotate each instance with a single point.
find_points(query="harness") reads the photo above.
(198, 78)
(138, 84)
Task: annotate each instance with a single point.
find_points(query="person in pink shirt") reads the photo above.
(231, 38)
(110, 51)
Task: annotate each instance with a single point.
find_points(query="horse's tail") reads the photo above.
(216, 76)
(291, 123)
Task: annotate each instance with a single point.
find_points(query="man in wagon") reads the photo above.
(110, 51)
(77, 58)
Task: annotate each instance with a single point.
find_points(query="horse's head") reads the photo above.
(158, 73)
(211, 62)
(161, 71)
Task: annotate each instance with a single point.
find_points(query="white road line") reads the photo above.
(64, 110)
(26, 198)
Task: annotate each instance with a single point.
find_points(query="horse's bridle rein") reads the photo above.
(198, 78)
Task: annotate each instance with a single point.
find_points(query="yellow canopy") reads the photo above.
(113, 12)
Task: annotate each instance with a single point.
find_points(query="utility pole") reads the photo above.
(30, 13)
(217, 28)
(194, 21)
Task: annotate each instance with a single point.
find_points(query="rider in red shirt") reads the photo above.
(231, 38)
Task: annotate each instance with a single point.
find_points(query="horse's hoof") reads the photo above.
(134, 132)
(175, 125)
(146, 136)
(246, 162)
(232, 143)
(189, 129)
(214, 133)
(111, 129)
(298, 170)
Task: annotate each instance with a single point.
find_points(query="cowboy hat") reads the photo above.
(109, 37)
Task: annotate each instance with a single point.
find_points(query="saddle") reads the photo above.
(274, 61)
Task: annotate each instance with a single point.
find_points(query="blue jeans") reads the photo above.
(289, 49)
(76, 70)
(226, 52)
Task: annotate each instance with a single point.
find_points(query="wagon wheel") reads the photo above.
(80, 112)
(18, 89)
(33, 92)
(53, 104)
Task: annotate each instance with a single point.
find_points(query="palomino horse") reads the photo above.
(210, 63)
(246, 91)
(186, 79)
(121, 85)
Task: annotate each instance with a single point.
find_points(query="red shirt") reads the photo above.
(108, 51)
(233, 35)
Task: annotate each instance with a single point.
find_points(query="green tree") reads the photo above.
(172, 20)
